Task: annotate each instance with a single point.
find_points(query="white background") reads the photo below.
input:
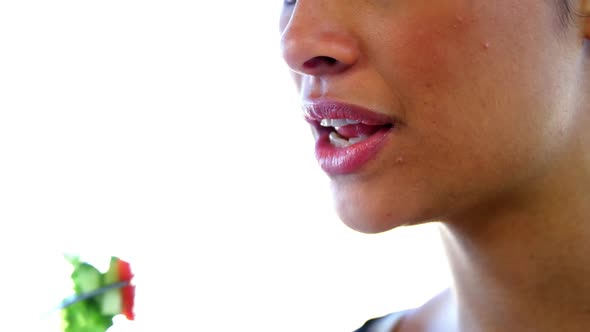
(168, 133)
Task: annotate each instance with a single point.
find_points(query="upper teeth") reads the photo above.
(337, 122)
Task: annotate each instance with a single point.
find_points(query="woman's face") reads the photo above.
(462, 101)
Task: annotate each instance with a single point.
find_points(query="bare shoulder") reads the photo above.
(434, 315)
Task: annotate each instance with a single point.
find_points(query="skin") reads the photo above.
(492, 141)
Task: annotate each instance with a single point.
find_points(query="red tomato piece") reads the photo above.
(127, 292)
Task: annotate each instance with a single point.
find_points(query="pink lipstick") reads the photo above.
(348, 136)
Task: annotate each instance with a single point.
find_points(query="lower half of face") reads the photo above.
(485, 107)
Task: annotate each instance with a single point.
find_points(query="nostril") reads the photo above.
(320, 61)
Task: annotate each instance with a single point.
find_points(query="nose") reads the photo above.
(318, 41)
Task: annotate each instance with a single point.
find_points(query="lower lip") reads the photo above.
(348, 160)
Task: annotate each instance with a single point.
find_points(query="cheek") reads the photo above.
(441, 70)
(452, 50)
(422, 54)
(425, 64)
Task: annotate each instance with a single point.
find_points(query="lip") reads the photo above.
(318, 110)
(350, 159)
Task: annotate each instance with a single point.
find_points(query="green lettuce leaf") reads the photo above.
(87, 315)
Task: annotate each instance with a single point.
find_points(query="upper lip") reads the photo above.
(316, 111)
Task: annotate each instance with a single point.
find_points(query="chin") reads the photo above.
(364, 226)
(373, 216)
(380, 200)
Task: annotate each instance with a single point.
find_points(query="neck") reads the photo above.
(526, 266)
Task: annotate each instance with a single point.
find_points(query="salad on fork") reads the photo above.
(99, 297)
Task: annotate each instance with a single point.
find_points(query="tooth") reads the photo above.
(355, 140)
(326, 123)
(337, 122)
(338, 141)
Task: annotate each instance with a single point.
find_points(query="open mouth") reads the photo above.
(343, 133)
(347, 136)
